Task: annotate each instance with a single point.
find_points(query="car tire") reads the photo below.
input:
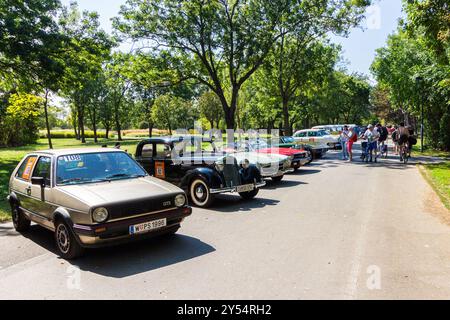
(66, 244)
(249, 195)
(20, 221)
(277, 179)
(296, 168)
(200, 194)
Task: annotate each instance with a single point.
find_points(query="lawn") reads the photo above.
(439, 177)
(9, 157)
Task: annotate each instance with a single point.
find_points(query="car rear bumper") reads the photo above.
(118, 231)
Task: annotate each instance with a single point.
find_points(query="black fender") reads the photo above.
(12, 198)
(211, 176)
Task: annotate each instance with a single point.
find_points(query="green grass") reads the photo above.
(9, 157)
(429, 151)
(439, 177)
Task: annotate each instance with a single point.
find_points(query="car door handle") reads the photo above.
(28, 190)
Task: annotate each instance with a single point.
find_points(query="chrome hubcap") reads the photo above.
(199, 192)
(62, 237)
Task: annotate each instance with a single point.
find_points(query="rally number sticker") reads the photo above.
(159, 170)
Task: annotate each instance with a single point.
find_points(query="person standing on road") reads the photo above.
(383, 135)
(344, 141)
(352, 138)
(370, 136)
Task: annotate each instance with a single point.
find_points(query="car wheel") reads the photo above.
(68, 247)
(277, 179)
(249, 195)
(200, 193)
(20, 221)
(296, 167)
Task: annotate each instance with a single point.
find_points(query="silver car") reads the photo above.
(92, 197)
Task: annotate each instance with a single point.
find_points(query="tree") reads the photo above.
(210, 108)
(173, 112)
(221, 43)
(19, 125)
(87, 48)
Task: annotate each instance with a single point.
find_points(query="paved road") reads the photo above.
(334, 230)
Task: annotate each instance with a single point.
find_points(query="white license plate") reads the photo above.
(245, 188)
(147, 226)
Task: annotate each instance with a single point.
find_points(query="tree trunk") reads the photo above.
(47, 123)
(81, 125)
(94, 125)
(107, 132)
(150, 129)
(287, 126)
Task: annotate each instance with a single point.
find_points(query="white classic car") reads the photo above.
(317, 137)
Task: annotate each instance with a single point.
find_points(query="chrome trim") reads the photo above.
(233, 189)
(139, 215)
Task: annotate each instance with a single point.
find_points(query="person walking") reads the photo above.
(371, 136)
(344, 141)
(352, 138)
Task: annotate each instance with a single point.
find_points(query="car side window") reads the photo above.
(147, 150)
(163, 151)
(24, 171)
(312, 134)
(42, 170)
(301, 134)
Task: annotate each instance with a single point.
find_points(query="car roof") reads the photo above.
(171, 139)
(68, 151)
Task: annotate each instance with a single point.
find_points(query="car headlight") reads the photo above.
(100, 214)
(180, 200)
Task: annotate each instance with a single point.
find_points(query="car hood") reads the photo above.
(255, 157)
(120, 190)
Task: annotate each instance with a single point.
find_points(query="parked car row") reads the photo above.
(101, 196)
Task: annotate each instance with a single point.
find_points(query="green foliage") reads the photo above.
(174, 113)
(210, 108)
(221, 44)
(19, 125)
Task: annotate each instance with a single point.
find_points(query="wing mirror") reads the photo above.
(40, 181)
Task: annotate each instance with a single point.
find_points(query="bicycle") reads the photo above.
(404, 153)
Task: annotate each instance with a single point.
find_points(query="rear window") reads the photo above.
(25, 168)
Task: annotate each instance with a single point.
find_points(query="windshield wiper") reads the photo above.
(124, 175)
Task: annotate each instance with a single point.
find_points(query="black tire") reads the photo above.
(20, 221)
(277, 179)
(200, 194)
(249, 195)
(66, 244)
(296, 168)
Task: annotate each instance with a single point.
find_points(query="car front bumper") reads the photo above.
(235, 189)
(115, 232)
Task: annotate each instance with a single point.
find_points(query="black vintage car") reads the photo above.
(195, 165)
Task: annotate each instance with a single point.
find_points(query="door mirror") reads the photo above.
(40, 181)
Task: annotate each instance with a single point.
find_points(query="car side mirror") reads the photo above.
(40, 181)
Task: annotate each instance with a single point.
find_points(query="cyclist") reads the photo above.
(403, 138)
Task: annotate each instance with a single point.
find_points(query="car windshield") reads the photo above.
(96, 167)
(288, 140)
(258, 144)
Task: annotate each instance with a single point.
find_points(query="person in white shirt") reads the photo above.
(344, 141)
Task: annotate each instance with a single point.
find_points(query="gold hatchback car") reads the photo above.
(92, 198)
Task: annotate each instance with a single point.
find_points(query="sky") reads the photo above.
(358, 49)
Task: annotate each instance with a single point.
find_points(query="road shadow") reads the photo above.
(131, 258)
(271, 185)
(235, 204)
(306, 171)
(142, 256)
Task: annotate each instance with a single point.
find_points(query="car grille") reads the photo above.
(141, 206)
